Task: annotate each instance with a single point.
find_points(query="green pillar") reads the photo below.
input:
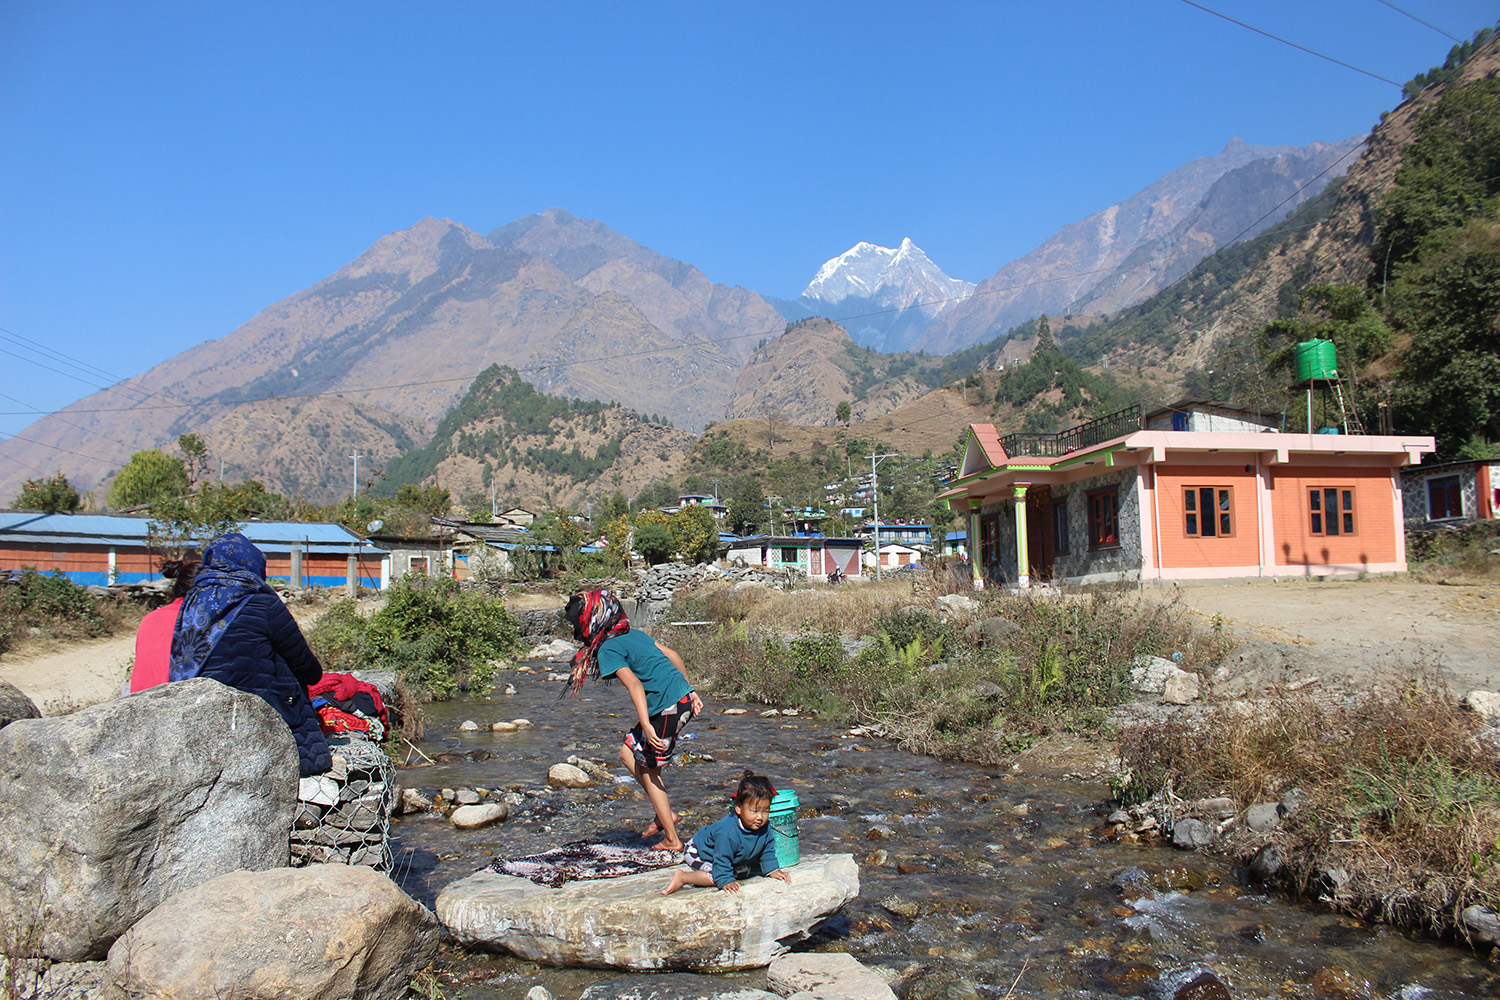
(1023, 558)
(973, 531)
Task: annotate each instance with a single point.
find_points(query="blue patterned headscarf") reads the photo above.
(233, 571)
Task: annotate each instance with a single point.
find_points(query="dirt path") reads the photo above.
(1364, 623)
(76, 677)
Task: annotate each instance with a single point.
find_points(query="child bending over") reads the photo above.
(742, 836)
(656, 680)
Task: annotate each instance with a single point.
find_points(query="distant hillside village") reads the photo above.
(1193, 491)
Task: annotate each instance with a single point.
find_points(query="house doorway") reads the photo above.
(1039, 532)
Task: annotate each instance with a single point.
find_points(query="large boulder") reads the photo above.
(15, 705)
(316, 933)
(624, 923)
(109, 811)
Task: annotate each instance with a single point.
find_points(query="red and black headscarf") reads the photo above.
(596, 615)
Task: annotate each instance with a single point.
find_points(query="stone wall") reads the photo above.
(344, 816)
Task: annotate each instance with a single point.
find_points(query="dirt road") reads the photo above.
(1367, 623)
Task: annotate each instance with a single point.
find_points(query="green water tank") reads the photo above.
(1316, 360)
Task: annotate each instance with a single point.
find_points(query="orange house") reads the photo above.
(1191, 492)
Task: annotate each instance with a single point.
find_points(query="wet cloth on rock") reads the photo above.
(585, 859)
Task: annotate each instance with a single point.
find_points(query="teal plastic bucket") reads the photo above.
(784, 827)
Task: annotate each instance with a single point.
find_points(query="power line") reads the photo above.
(1427, 24)
(1285, 41)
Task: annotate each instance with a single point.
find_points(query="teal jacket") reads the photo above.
(727, 843)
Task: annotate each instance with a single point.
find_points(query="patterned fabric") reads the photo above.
(233, 571)
(602, 618)
(585, 860)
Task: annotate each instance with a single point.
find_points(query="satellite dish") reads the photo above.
(375, 526)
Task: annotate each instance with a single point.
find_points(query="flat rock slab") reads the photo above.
(826, 976)
(672, 986)
(625, 923)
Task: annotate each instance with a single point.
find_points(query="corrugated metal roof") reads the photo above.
(109, 529)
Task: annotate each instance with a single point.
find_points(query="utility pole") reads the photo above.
(355, 456)
(875, 461)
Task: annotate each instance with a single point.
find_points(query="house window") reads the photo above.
(1060, 528)
(418, 564)
(1104, 519)
(1207, 511)
(788, 554)
(1444, 498)
(1331, 510)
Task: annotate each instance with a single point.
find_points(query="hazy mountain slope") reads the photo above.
(676, 298)
(1069, 265)
(802, 376)
(408, 324)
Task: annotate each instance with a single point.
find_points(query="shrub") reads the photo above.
(1398, 790)
(56, 605)
(438, 638)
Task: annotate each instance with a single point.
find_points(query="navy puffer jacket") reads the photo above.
(263, 652)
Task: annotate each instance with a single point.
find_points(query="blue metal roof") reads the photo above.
(109, 529)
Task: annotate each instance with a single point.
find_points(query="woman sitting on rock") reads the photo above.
(234, 629)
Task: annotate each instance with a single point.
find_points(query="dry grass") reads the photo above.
(1463, 556)
(1403, 793)
(925, 675)
(851, 609)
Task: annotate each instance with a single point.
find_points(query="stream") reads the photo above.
(973, 881)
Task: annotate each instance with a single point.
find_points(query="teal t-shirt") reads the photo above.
(665, 686)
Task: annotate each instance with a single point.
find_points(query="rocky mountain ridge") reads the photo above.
(1125, 253)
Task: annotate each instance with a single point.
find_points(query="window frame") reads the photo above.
(1192, 506)
(1060, 527)
(1348, 513)
(1450, 483)
(1095, 497)
(796, 555)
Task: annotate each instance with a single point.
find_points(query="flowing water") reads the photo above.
(973, 881)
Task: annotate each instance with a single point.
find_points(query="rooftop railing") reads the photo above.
(1086, 435)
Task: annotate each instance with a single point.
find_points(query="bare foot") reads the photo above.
(663, 845)
(655, 828)
(677, 883)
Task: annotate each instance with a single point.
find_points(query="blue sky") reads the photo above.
(168, 170)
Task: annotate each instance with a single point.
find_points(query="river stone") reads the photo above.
(110, 810)
(1191, 834)
(479, 817)
(466, 797)
(14, 704)
(1268, 861)
(1192, 983)
(672, 986)
(1263, 816)
(74, 981)
(624, 923)
(568, 776)
(1180, 688)
(1486, 703)
(826, 976)
(957, 604)
(1481, 924)
(318, 933)
(1150, 673)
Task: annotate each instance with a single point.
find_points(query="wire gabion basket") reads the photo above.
(344, 816)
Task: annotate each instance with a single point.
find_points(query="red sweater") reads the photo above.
(153, 647)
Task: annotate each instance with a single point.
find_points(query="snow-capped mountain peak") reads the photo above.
(892, 278)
